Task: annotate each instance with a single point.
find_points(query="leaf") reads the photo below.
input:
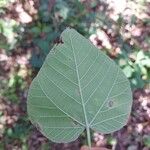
(146, 140)
(128, 71)
(77, 88)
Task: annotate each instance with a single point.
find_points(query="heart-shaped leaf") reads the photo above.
(77, 88)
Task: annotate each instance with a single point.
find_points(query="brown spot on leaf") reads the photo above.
(58, 40)
(77, 92)
(110, 103)
(75, 123)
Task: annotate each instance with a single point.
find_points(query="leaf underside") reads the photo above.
(78, 86)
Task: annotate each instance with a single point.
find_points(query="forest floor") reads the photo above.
(22, 28)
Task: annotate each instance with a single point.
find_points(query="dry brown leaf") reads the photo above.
(93, 148)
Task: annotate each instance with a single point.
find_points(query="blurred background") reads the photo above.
(29, 29)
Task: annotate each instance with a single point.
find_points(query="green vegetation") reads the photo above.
(65, 91)
(28, 31)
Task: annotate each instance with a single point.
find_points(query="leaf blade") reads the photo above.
(66, 85)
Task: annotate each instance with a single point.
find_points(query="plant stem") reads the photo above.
(88, 137)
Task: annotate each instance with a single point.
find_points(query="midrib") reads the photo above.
(80, 91)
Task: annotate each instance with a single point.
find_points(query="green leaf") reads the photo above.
(146, 140)
(128, 71)
(77, 88)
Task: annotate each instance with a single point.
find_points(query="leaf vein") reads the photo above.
(89, 67)
(61, 89)
(46, 107)
(61, 74)
(64, 63)
(93, 77)
(84, 58)
(108, 119)
(106, 97)
(97, 87)
(59, 107)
